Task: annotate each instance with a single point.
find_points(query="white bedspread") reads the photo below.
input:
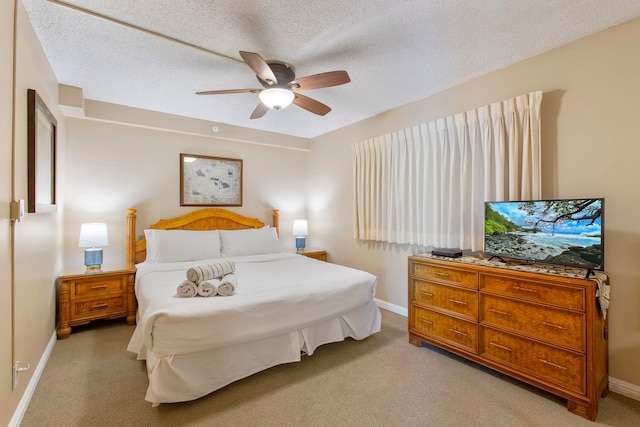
(275, 294)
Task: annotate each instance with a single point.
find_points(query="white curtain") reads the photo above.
(426, 185)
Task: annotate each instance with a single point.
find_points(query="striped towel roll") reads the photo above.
(210, 271)
(187, 289)
(228, 285)
(208, 288)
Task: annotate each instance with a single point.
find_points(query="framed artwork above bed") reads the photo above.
(210, 181)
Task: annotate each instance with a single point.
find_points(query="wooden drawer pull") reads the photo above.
(429, 294)
(428, 322)
(437, 273)
(518, 288)
(99, 287)
(501, 347)
(455, 301)
(503, 313)
(455, 331)
(546, 362)
(551, 325)
(99, 305)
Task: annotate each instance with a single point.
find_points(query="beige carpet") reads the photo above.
(91, 380)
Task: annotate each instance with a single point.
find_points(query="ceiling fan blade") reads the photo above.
(317, 81)
(227, 91)
(260, 67)
(260, 111)
(310, 104)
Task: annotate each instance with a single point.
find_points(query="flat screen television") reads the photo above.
(567, 232)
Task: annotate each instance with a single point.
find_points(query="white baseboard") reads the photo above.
(31, 387)
(392, 307)
(629, 390)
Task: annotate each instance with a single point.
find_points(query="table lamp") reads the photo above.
(93, 235)
(300, 231)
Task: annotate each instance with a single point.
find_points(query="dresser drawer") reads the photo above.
(461, 301)
(562, 367)
(464, 278)
(85, 287)
(567, 297)
(556, 326)
(99, 307)
(446, 328)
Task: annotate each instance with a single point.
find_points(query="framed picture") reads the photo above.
(41, 155)
(210, 181)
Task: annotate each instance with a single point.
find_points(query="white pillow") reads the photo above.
(181, 245)
(253, 241)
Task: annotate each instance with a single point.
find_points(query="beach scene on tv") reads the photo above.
(566, 232)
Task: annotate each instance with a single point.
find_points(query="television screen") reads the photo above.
(565, 232)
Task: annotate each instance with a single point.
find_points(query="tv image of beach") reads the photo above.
(566, 232)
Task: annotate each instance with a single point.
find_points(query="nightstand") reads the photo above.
(319, 255)
(85, 296)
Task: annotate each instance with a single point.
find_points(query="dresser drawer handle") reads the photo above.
(429, 294)
(99, 305)
(455, 331)
(455, 301)
(503, 313)
(99, 287)
(437, 273)
(546, 362)
(428, 322)
(501, 347)
(551, 325)
(518, 288)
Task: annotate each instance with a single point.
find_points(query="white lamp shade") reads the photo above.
(93, 234)
(300, 227)
(276, 98)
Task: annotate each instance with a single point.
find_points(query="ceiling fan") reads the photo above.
(281, 86)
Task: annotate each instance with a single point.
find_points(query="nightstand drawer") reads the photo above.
(100, 307)
(97, 286)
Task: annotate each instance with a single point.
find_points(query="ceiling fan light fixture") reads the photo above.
(276, 98)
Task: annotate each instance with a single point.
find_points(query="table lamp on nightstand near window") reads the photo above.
(300, 231)
(93, 235)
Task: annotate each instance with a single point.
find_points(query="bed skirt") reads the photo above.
(184, 377)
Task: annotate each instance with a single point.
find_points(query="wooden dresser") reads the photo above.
(543, 329)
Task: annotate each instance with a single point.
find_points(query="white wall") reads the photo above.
(8, 401)
(589, 149)
(112, 167)
(37, 247)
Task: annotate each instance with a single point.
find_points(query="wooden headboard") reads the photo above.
(203, 219)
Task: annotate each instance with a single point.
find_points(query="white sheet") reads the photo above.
(276, 294)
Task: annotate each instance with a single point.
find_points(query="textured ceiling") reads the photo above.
(395, 51)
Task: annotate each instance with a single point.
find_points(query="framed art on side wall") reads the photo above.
(210, 181)
(41, 155)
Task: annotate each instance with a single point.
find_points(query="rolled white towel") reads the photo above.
(228, 285)
(210, 271)
(187, 289)
(208, 288)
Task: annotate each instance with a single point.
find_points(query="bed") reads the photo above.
(284, 306)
